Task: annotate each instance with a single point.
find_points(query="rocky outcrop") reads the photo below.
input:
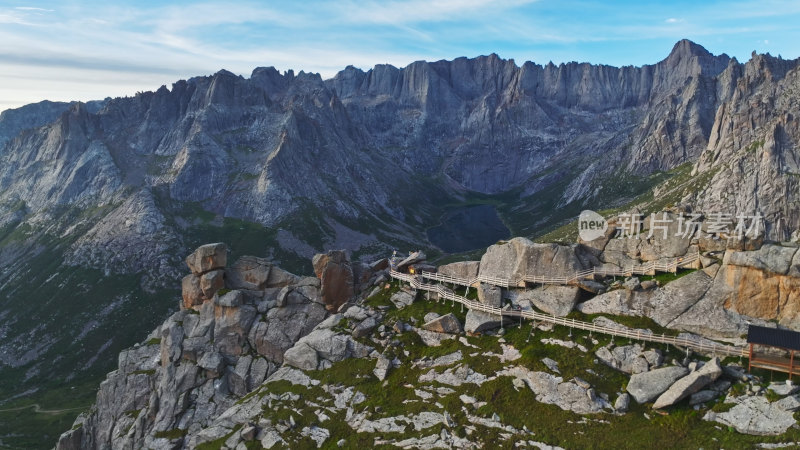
(755, 415)
(336, 277)
(252, 274)
(207, 258)
(695, 303)
(720, 299)
(573, 395)
(402, 299)
(204, 358)
(632, 359)
(207, 264)
(325, 345)
(765, 283)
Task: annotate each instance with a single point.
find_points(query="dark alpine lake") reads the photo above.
(468, 228)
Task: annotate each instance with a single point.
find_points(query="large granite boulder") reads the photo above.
(232, 322)
(211, 282)
(447, 323)
(479, 321)
(771, 258)
(520, 257)
(191, 291)
(413, 258)
(689, 384)
(467, 270)
(208, 257)
(490, 295)
(663, 305)
(248, 272)
(667, 240)
(302, 356)
(401, 299)
(336, 277)
(645, 387)
(552, 299)
(206, 263)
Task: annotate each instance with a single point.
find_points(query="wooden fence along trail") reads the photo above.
(417, 282)
(649, 268)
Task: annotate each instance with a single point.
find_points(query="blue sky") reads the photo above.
(81, 50)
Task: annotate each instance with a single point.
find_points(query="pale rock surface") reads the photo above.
(647, 386)
(754, 415)
(689, 384)
(207, 257)
(448, 323)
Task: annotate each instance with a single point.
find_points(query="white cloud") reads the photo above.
(31, 8)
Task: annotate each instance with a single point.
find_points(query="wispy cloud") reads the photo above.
(395, 13)
(32, 8)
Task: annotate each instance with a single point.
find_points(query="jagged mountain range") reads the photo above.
(98, 200)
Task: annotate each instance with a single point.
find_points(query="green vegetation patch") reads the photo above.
(175, 433)
(665, 277)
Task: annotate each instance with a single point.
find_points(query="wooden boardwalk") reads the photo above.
(649, 268)
(417, 282)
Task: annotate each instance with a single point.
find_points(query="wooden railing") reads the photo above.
(640, 335)
(638, 269)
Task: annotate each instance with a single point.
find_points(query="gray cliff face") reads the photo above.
(751, 155)
(492, 126)
(105, 195)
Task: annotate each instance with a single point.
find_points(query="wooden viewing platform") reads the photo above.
(777, 341)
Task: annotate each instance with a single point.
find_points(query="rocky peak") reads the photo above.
(686, 49)
(346, 82)
(271, 81)
(768, 67)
